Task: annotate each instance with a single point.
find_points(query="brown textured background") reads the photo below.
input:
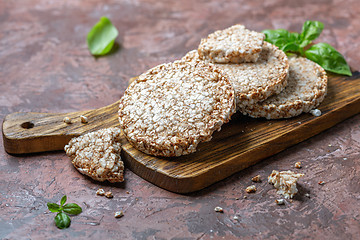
(45, 66)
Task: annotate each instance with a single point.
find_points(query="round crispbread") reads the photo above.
(173, 107)
(235, 44)
(254, 82)
(306, 89)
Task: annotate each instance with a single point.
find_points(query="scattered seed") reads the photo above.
(109, 195)
(280, 201)
(67, 120)
(257, 178)
(245, 197)
(298, 164)
(307, 195)
(100, 192)
(127, 192)
(218, 209)
(251, 189)
(236, 218)
(118, 214)
(236, 198)
(345, 159)
(83, 119)
(321, 182)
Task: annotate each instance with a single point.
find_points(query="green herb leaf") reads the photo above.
(327, 57)
(283, 39)
(310, 31)
(62, 220)
(101, 37)
(291, 47)
(72, 208)
(63, 200)
(53, 207)
(278, 37)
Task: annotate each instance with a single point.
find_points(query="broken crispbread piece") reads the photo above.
(97, 155)
(235, 44)
(173, 107)
(285, 182)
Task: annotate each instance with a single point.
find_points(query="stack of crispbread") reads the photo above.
(173, 107)
(170, 109)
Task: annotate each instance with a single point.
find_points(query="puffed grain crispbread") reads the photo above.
(306, 89)
(254, 82)
(97, 155)
(173, 107)
(235, 44)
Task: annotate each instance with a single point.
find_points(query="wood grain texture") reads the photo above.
(241, 143)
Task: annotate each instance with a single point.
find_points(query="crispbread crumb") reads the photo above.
(67, 120)
(257, 178)
(285, 182)
(109, 194)
(298, 164)
(97, 155)
(100, 192)
(219, 209)
(251, 189)
(235, 44)
(315, 112)
(173, 107)
(119, 214)
(83, 119)
(280, 201)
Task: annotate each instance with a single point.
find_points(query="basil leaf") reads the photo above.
(63, 200)
(62, 220)
(310, 31)
(283, 39)
(278, 37)
(72, 208)
(291, 47)
(101, 37)
(53, 207)
(327, 57)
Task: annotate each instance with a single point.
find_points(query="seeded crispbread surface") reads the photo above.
(235, 44)
(254, 82)
(173, 107)
(306, 89)
(97, 155)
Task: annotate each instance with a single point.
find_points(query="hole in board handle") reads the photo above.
(27, 125)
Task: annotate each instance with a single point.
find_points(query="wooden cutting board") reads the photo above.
(241, 142)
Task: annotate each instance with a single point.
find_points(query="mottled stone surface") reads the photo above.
(45, 66)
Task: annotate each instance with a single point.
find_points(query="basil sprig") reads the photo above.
(322, 53)
(101, 38)
(62, 220)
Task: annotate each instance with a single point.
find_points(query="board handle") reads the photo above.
(40, 132)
